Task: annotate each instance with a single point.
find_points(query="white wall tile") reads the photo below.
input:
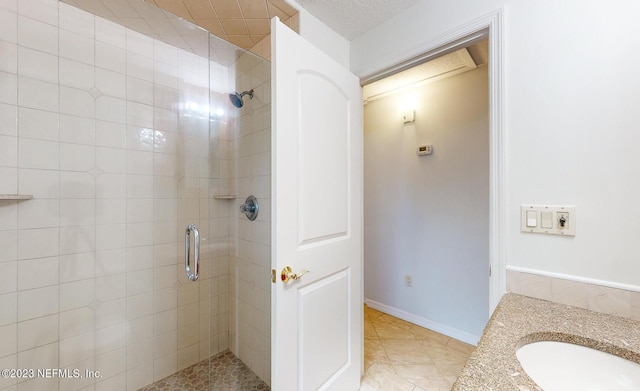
(78, 239)
(140, 138)
(43, 10)
(74, 267)
(110, 57)
(77, 20)
(8, 88)
(8, 277)
(8, 151)
(37, 94)
(111, 287)
(38, 65)
(111, 109)
(139, 210)
(38, 154)
(139, 114)
(37, 332)
(9, 245)
(9, 59)
(110, 262)
(9, 183)
(76, 294)
(76, 322)
(139, 234)
(140, 329)
(139, 306)
(77, 185)
(77, 102)
(140, 376)
(111, 160)
(38, 124)
(38, 243)
(8, 340)
(140, 91)
(37, 35)
(139, 258)
(39, 214)
(110, 32)
(111, 211)
(110, 134)
(35, 303)
(139, 186)
(42, 184)
(76, 74)
(110, 313)
(9, 215)
(77, 212)
(111, 186)
(77, 130)
(139, 66)
(110, 236)
(37, 273)
(111, 83)
(76, 47)
(112, 364)
(76, 349)
(9, 120)
(9, 305)
(76, 157)
(8, 25)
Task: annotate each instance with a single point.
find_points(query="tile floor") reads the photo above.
(223, 372)
(401, 356)
(398, 356)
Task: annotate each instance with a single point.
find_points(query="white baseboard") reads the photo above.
(423, 322)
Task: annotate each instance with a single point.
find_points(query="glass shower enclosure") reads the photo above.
(117, 135)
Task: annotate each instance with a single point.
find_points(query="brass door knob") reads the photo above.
(288, 274)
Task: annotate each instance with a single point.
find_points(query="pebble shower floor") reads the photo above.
(223, 372)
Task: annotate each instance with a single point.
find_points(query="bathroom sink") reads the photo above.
(564, 366)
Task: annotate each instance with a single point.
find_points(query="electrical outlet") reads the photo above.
(407, 280)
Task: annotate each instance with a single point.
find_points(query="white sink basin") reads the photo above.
(565, 367)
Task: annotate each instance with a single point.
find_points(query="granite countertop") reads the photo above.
(519, 320)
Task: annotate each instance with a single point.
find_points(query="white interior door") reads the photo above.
(317, 218)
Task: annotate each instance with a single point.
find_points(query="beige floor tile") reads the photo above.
(402, 356)
(391, 331)
(379, 377)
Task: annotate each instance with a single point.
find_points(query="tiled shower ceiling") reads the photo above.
(241, 22)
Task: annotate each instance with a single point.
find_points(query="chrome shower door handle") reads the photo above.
(192, 275)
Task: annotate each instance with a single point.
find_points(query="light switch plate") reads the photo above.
(543, 225)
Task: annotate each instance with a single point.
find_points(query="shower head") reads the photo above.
(236, 99)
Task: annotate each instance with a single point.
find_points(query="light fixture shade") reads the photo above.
(408, 116)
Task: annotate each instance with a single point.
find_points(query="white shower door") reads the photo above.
(317, 218)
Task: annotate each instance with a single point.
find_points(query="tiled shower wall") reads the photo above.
(251, 263)
(106, 128)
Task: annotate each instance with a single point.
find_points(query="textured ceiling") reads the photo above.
(350, 18)
(241, 22)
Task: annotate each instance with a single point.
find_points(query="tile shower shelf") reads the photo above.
(225, 197)
(16, 196)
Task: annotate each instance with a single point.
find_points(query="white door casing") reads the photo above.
(317, 320)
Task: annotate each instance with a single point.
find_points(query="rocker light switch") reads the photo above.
(546, 219)
(532, 218)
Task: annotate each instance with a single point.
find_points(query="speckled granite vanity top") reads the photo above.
(519, 320)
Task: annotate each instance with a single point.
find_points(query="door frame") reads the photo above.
(488, 26)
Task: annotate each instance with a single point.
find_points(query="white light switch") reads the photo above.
(532, 218)
(546, 219)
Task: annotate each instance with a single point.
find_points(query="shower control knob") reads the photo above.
(250, 207)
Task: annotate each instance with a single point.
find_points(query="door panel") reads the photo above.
(323, 197)
(316, 327)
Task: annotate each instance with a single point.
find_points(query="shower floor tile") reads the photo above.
(223, 372)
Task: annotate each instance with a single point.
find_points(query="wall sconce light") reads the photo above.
(408, 116)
